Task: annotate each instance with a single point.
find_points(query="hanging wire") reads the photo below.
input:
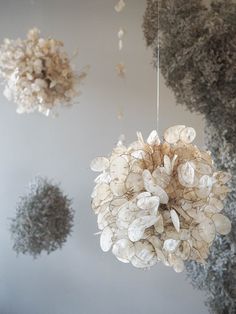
(158, 66)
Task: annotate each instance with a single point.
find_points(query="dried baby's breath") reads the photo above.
(37, 73)
(159, 201)
(44, 219)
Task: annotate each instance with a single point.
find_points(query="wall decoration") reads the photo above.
(198, 62)
(37, 73)
(160, 201)
(43, 220)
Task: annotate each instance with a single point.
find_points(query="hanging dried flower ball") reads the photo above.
(159, 201)
(44, 219)
(37, 73)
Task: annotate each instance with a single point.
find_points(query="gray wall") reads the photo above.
(80, 279)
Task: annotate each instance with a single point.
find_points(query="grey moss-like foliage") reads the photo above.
(150, 22)
(218, 276)
(44, 219)
(198, 62)
(197, 52)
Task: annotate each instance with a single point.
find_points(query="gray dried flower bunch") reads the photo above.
(198, 61)
(44, 219)
(37, 73)
(197, 52)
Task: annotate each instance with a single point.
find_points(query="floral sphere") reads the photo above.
(37, 73)
(44, 219)
(160, 201)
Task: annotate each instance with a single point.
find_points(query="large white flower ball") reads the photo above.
(159, 201)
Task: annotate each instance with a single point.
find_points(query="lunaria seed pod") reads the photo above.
(159, 201)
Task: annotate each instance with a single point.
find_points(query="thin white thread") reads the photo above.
(158, 70)
(158, 87)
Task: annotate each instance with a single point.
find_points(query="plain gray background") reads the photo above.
(81, 279)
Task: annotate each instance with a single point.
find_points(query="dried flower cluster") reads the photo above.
(197, 51)
(37, 73)
(160, 201)
(44, 219)
(198, 61)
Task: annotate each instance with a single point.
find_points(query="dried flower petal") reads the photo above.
(138, 226)
(175, 219)
(154, 188)
(148, 202)
(106, 239)
(171, 245)
(172, 135)
(187, 135)
(99, 164)
(124, 250)
(144, 255)
(186, 174)
(207, 230)
(222, 223)
(153, 138)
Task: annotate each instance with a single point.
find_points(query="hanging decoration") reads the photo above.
(120, 6)
(198, 62)
(120, 67)
(37, 73)
(160, 201)
(199, 66)
(43, 221)
(120, 35)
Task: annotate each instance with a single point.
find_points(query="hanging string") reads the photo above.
(120, 67)
(158, 86)
(158, 68)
